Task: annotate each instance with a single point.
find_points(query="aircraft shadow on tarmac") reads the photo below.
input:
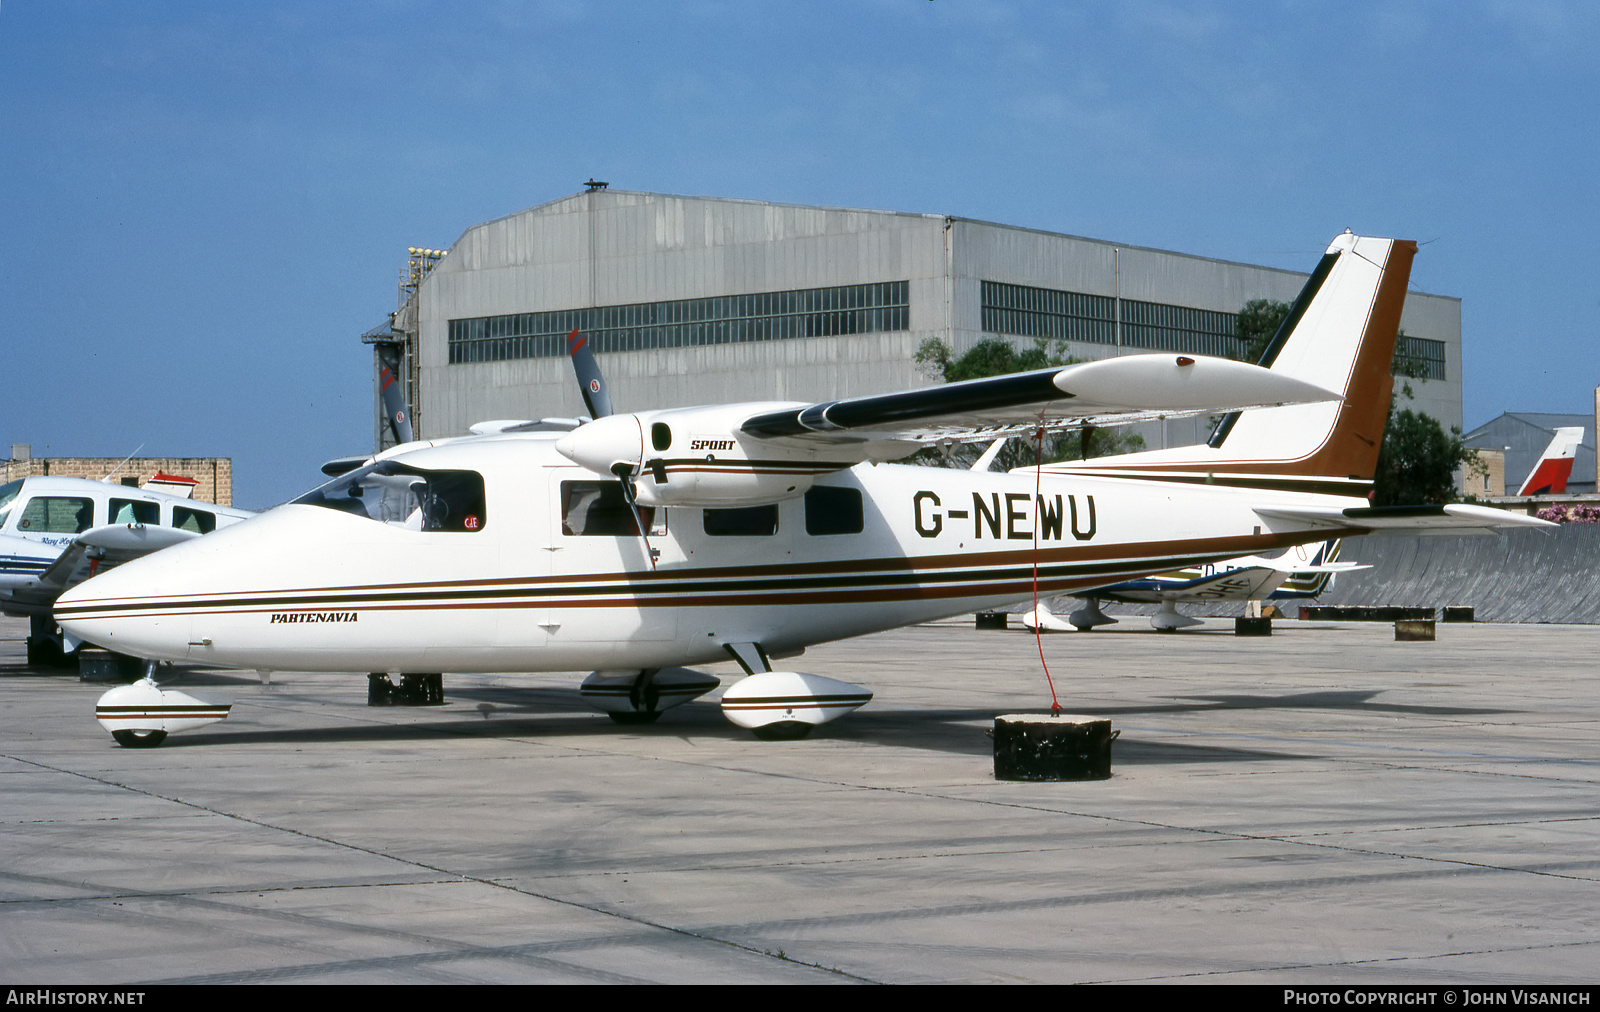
(554, 714)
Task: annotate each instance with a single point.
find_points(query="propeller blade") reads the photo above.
(394, 399)
(590, 383)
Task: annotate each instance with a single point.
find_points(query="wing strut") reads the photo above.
(625, 474)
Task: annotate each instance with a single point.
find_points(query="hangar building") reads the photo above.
(694, 300)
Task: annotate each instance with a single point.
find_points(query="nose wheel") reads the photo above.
(139, 739)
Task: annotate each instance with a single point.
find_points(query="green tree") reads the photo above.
(1417, 462)
(1254, 326)
(993, 356)
(989, 357)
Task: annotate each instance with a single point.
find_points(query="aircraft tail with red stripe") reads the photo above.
(1549, 476)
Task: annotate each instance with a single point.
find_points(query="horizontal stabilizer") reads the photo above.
(1452, 518)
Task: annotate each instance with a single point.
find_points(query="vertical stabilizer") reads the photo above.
(1549, 476)
(1340, 334)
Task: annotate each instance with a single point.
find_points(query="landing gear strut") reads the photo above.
(414, 690)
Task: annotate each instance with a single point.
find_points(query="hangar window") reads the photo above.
(1075, 316)
(833, 510)
(1418, 358)
(749, 521)
(407, 497)
(1093, 319)
(683, 323)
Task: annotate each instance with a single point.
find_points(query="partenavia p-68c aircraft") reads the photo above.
(635, 544)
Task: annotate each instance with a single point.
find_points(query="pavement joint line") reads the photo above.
(1265, 837)
(1192, 733)
(1410, 958)
(602, 911)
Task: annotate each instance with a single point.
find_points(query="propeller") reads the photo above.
(590, 383)
(592, 386)
(394, 398)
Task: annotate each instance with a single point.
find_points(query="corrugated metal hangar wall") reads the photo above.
(693, 300)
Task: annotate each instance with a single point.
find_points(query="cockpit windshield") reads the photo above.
(8, 495)
(406, 497)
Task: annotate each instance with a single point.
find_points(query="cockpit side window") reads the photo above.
(406, 497)
(56, 514)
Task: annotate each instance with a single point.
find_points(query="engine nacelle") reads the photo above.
(698, 457)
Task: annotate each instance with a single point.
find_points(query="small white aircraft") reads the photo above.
(57, 532)
(634, 545)
(1294, 573)
(1549, 476)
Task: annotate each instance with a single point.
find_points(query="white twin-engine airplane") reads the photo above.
(636, 544)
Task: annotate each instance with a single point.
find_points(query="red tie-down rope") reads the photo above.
(1038, 622)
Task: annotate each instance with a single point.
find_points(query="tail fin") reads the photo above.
(1549, 476)
(1340, 334)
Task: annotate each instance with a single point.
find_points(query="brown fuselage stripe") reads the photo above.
(694, 590)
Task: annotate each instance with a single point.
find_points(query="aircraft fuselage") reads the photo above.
(545, 571)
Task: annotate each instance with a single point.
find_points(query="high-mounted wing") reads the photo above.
(1113, 390)
(746, 454)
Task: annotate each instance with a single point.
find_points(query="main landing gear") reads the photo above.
(1087, 617)
(775, 705)
(414, 690)
(639, 697)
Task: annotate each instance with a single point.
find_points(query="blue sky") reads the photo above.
(206, 203)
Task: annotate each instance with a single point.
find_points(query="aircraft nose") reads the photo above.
(131, 609)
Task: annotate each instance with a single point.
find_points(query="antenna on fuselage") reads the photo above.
(114, 470)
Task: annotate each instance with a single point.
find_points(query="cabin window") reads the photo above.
(751, 521)
(407, 497)
(198, 521)
(135, 511)
(597, 509)
(57, 514)
(833, 510)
